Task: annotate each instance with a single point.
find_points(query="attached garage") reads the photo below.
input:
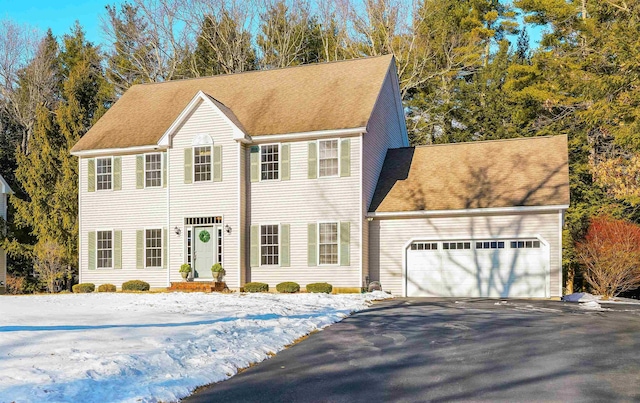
(478, 219)
(485, 268)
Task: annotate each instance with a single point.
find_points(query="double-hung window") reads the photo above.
(153, 248)
(270, 162)
(328, 158)
(104, 249)
(328, 245)
(202, 163)
(153, 170)
(269, 245)
(104, 172)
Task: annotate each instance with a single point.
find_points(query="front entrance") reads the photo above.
(203, 254)
(203, 245)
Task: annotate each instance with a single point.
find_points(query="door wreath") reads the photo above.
(204, 236)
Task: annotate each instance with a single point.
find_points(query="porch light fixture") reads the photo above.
(177, 230)
(227, 229)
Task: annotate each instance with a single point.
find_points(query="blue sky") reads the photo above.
(59, 15)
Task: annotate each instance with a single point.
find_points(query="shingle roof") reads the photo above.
(484, 174)
(326, 96)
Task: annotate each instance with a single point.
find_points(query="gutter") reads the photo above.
(475, 211)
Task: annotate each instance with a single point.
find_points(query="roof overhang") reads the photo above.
(4, 186)
(309, 135)
(238, 133)
(115, 151)
(471, 211)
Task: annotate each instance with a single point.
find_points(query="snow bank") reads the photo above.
(148, 347)
(580, 297)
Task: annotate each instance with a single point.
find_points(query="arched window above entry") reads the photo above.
(202, 140)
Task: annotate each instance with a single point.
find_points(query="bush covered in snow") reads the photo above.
(320, 287)
(135, 285)
(107, 288)
(84, 288)
(256, 287)
(288, 287)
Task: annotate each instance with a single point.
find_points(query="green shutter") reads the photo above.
(285, 256)
(255, 163)
(345, 157)
(139, 171)
(91, 175)
(139, 249)
(117, 249)
(217, 163)
(91, 240)
(188, 165)
(117, 173)
(345, 236)
(255, 246)
(165, 248)
(285, 162)
(164, 170)
(313, 160)
(312, 244)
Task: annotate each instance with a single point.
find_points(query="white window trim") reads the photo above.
(337, 175)
(96, 174)
(279, 244)
(193, 164)
(279, 164)
(113, 241)
(144, 247)
(318, 242)
(161, 170)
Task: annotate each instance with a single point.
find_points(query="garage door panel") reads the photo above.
(504, 272)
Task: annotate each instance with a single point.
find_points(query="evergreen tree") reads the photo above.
(48, 174)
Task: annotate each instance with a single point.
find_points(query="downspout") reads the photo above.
(168, 169)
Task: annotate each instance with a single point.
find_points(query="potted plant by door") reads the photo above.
(185, 270)
(218, 272)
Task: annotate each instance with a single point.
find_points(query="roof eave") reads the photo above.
(471, 211)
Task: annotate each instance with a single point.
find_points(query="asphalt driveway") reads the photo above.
(411, 350)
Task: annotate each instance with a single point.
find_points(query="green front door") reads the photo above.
(203, 258)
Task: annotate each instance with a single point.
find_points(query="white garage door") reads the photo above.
(483, 268)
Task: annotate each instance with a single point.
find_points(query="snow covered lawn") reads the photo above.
(148, 347)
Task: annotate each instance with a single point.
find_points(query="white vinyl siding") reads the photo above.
(299, 202)
(104, 249)
(207, 198)
(270, 162)
(128, 210)
(153, 170)
(328, 245)
(104, 173)
(328, 158)
(202, 163)
(153, 248)
(390, 237)
(269, 245)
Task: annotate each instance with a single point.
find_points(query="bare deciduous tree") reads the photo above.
(27, 75)
(610, 255)
(49, 266)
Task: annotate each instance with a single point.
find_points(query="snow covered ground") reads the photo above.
(148, 347)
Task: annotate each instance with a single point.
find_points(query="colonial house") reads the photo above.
(305, 174)
(5, 191)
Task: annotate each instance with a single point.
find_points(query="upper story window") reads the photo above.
(328, 158)
(269, 245)
(104, 249)
(269, 162)
(104, 172)
(202, 163)
(153, 170)
(328, 245)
